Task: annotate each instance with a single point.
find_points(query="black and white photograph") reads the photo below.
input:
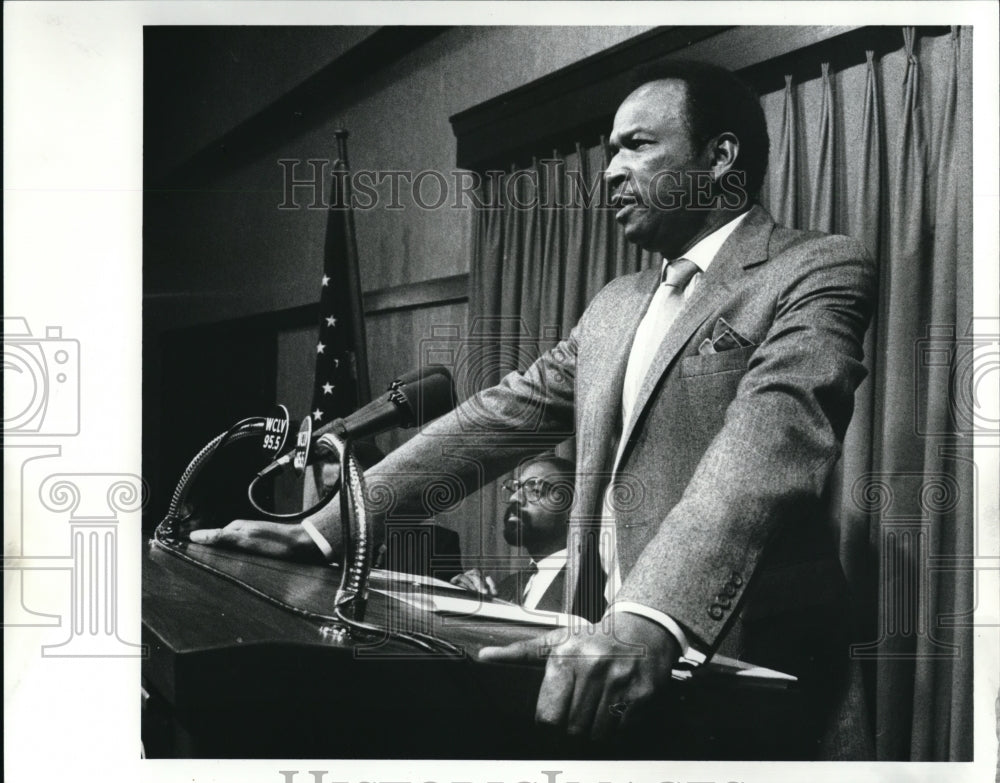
(482, 386)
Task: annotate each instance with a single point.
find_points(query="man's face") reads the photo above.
(535, 521)
(653, 167)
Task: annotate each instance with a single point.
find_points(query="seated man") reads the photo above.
(538, 506)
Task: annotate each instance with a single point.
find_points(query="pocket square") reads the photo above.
(726, 338)
(706, 348)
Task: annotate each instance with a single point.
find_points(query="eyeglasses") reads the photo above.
(533, 489)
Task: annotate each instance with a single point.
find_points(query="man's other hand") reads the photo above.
(596, 679)
(474, 580)
(274, 539)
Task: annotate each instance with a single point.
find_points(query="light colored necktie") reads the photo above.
(666, 303)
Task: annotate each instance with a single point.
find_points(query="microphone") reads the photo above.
(414, 398)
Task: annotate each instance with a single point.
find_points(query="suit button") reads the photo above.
(723, 601)
(736, 579)
(715, 612)
(729, 590)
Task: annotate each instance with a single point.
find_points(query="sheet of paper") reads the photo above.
(398, 578)
(473, 605)
(501, 610)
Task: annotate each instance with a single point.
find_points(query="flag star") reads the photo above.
(331, 321)
(320, 347)
(318, 415)
(326, 281)
(327, 388)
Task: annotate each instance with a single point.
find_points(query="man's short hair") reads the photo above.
(718, 101)
(562, 466)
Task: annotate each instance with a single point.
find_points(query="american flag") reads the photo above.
(341, 379)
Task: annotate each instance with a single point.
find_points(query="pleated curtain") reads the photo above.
(879, 151)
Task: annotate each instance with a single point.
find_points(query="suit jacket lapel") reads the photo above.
(552, 599)
(746, 246)
(599, 433)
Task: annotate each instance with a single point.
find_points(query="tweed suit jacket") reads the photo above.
(728, 452)
(720, 483)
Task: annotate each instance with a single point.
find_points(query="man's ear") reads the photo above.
(725, 150)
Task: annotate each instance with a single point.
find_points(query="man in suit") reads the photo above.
(709, 399)
(536, 519)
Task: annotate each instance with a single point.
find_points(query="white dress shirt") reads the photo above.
(548, 569)
(702, 255)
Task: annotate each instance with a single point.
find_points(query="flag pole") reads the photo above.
(356, 314)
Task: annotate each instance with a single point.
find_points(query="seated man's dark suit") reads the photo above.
(512, 589)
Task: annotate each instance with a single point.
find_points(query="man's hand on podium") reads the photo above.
(274, 539)
(596, 679)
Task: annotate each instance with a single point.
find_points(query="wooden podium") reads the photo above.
(242, 665)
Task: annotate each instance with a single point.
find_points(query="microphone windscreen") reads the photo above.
(421, 373)
(430, 396)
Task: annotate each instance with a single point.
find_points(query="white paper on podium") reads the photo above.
(493, 609)
(473, 605)
(399, 579)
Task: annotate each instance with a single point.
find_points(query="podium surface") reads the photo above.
(244, 662)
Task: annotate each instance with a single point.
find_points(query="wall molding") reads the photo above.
(577, 103)
(427, 293)
(451, 289)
